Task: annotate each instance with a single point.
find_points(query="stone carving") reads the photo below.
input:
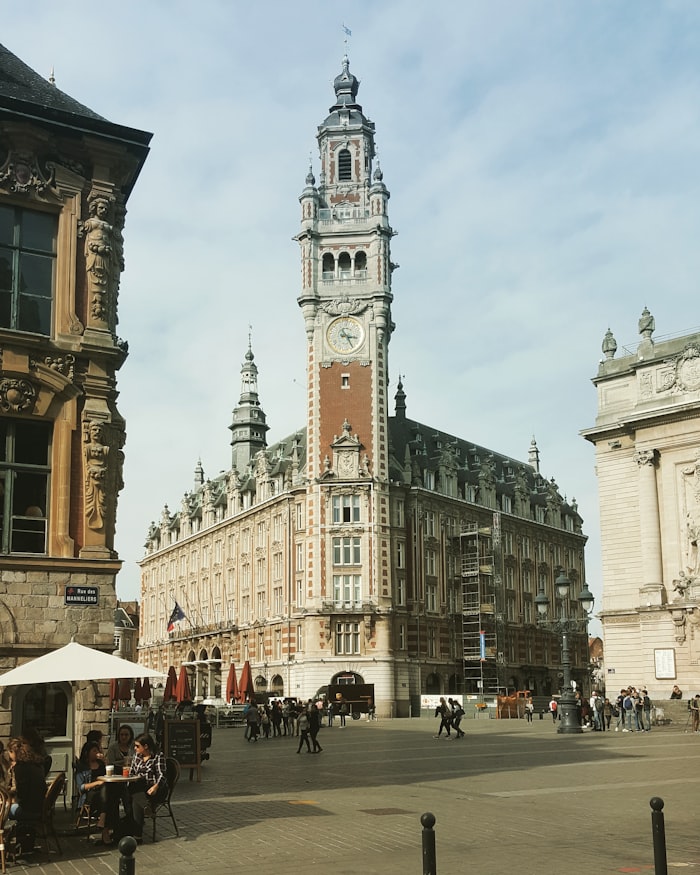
(609, 346)
(344, 306)
(96, 453)
(21, 173)
(17, 396)
(688, 369)
(102, 253)
(646, 324)
(62, 364)
(645, 457)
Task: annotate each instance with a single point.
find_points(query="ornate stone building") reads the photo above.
(647, 441)
(364, 545)
(65, 176)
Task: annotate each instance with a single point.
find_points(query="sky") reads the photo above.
(542, 159)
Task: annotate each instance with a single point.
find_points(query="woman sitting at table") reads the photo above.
(91, 767)
(148, 765)
(121, 751)
(28, 782)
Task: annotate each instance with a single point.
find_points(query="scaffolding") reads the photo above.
(482, 608)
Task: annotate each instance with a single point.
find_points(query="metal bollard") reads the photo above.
(127, 864)
(429, 860)
(658, 832)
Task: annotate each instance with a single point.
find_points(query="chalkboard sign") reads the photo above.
(181, 742)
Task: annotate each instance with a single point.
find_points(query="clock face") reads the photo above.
(345, 334)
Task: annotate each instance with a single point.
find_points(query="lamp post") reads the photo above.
(570, 722)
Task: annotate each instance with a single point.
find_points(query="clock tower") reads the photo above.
(346, 304)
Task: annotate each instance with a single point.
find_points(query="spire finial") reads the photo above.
(52, 76)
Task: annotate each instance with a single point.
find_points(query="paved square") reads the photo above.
(511, 796)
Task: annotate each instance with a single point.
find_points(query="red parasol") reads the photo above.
(124, 690)
(170, 686)
(138, 692)
(182, 691)
(232, 684)
(114, 691)
(145, 690)
(246, 689)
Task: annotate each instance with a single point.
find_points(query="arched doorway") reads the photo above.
(276, 685)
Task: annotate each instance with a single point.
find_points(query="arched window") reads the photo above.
(328, 266)
(360, 263)
(344, 265)
(344, 166)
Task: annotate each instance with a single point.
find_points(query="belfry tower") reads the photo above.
(346, 303)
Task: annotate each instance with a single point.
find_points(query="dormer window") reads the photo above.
(344, 166)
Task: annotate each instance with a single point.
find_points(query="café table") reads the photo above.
(114, 790)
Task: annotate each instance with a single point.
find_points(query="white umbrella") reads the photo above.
(75, 662)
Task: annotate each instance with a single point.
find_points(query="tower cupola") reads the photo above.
(248, 428)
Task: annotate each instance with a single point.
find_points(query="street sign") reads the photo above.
(82, 595)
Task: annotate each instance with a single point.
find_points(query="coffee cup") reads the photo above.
(125, 771)
(110, 771)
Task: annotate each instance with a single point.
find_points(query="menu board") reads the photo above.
(181, 742)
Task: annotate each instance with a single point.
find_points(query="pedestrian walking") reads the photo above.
(314, 728)
(443, 712)
(304, 727)
(553, 707)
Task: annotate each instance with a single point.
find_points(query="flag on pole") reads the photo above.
(177, 615)
(347, 30)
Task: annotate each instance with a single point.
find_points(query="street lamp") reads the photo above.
(570, 722)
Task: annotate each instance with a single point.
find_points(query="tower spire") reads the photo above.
(248, 428)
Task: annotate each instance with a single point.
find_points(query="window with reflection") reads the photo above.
(24, 485)
(27, 269)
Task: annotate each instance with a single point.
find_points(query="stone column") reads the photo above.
(649, 528)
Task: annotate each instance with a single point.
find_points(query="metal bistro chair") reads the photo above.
(5, 802)
(164, 809)
(43, 824)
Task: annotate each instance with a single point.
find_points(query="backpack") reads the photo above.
(303, 723)
(598, 704)
(627, 703)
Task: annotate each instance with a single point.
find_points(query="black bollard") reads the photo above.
(658, 832)
(127, 864)
(429, 860)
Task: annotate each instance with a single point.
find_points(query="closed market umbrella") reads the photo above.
(114, 691)
(170, 685)
(145, 690)
(138, 692)
(231, 684)
(182, 691)
(125, 690)
(246, 689)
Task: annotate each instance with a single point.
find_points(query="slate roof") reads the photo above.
(20, 82)
(23, 91)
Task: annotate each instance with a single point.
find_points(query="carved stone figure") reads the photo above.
(99, 254)
(646, 324)
(96, 453)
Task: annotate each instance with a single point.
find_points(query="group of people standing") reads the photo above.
(450, 712)
(290, 718)
(633, 710)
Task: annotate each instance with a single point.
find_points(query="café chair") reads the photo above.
(5, 802)
(155, 810)
(42, 824)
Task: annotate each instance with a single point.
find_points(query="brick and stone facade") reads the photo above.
(65, 177)
(337, 551)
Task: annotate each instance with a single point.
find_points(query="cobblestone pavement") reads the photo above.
(508, 796)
